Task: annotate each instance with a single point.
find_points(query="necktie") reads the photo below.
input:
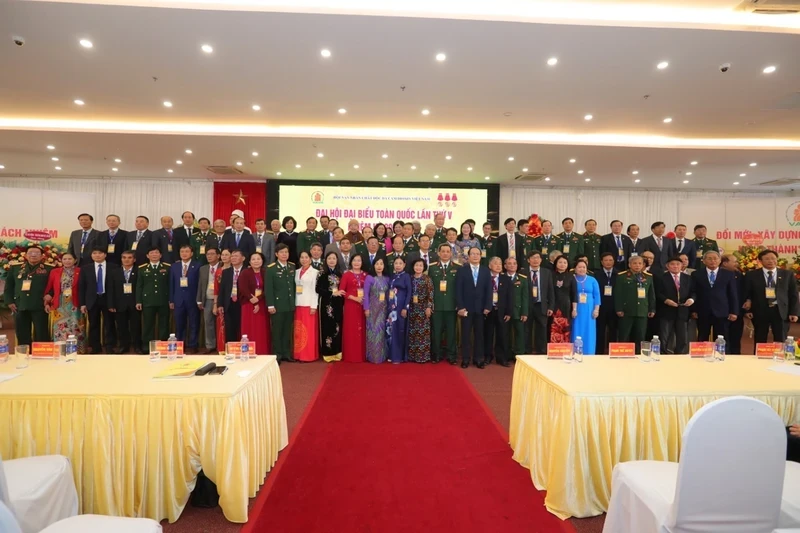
(713, 278)
(185, 269)
(659, 243)
(235, 280)
(238, 237)
(770, 281)
(346, 259)
(511, 241)
(371, 258)
(535, 281)
(608, 277)
(99, 279)
(677, 283)
(260, 236)
(127, 276)
(169, 232)
(619, 248)
(189, 233)
(112, 235)
(138, 236)
(212, 271)
(475, 276)
(83, 238)
(494, 286)
(680, 245)
(425, 258)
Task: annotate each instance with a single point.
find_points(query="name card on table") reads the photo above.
(42, 349)
(701, 349)
(621, 349)
(235, 348)
(163, 345)
(765, 350)
(559, 350)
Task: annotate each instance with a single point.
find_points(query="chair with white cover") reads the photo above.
(790, 506)
(729, 479)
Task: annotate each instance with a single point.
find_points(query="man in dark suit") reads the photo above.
(637, 245)
(660, 246)
(227, 301)
(326, 236)
(473, 302)
(541, 304)
(424, 252)
(140, 240)
(509, 242)
(496, 330)
(114, 240)
(736, 328)
(682, 245)
(617, 244)
(128, 318)
(164, 240)
(240, 239)
(717, 303)
(183, 235)
(184, 277)
(82, 241)
(607, 320)
(97, 299)
(674, 297)
(770, 298)
(374, 252)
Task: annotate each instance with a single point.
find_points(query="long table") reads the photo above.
(571, 423)
(137, 444)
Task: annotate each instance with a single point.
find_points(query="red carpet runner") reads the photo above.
(403, 448)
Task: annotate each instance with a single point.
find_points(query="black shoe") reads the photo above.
(464, 364)
(452, 362)
(481, 365)
(290, 359)
(505, 364)
(435, 361)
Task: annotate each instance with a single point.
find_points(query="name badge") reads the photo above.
(443, 285)
(235, 291)
(259, 292)
(381, 297)
(391, 293)
(544, 249)
(607, 290)
(68, 293)
(770, 292)
(134, 245)
(169, 247)
(582, 298)
(535, 291)
(494, 297)
(621, 251)
(699, 254)
(360, 293)
(415, 299)
(258, 249)
(26, 284)
(184, 281)
(483, 253)
(641, 293)
(202, 249)
(566, 248)
(111, 247)
(511, 253)
(127, 288)
(633, 254)
(299, 289)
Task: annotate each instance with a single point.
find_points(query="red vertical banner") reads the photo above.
(248, 197)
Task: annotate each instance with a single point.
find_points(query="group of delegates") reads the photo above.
(392, 294)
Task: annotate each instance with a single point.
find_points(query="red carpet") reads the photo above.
(403, 448)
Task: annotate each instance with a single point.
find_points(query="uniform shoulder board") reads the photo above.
(15, 263)
(623, 272)
(270, 265)
(165, 264)
(359, 242)
(456, 263)
(290, 263)
(144, 265)
(522, 276)
(647, 274)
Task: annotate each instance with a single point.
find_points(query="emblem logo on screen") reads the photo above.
(317, 197)
(793, 214)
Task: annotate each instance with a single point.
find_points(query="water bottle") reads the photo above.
(655, 349)
(244, 356)
(788, 349)
(719, 348)
(577, 350)
(172, 347)
(72, 349)
(3, 348)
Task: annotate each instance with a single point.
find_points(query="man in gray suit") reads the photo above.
(205, 298)
(81, 241)
(542, 301)
(335, 246)
(661, 247)
(424, 252)
(265, 243)
(770, 298)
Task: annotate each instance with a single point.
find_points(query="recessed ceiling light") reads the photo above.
(736, 183)
(386, 175)
(207, 48)
(552, 61)
(54, 159)
(662, 65)
(114, 169)
(79, 102)
(426, 112)
(588, 179)
(635, 172)
(332, 175)
(511, 158)
(58, 168)
(436, 177)
(588, 117)
(342, 111)
(742, 175)
(667, 120)
(385, 156)
(688, 173)
(753, 164)
(238, 163)
(297, 166)
(525, 169)
(255, 154)
(440, 56)
(178, 162)
(580, 172)
(188, 151)
(86, 43)
(572, 160)
(118, 160)
(770, 69)
(448, 157)
(487, 178)
(51, 147)
(355, 166)
(637, 180)
(685, 181)
(169, 170)
(469, 169)
(413, 167)
(256, 107)
(278, 173)
(325, 52)
(693, 163)
(167, 103)
(2, 167)
(320, 155)
(547, 179)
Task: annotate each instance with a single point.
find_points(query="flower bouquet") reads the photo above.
(748, 258)
(534, 226)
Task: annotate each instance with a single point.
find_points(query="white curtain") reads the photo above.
(641, 207)
(130, 198)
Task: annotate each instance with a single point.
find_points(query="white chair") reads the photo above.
(729, 479)
(8, 524)
(790, 506)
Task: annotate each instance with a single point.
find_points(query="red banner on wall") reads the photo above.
(248, 197)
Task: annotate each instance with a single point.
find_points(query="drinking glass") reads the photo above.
(155, 353)
(59, 351)
(230, 358)
(23, 356)
(645, 352)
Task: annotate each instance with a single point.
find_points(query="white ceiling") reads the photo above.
(492, 69)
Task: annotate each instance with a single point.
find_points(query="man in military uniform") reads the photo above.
(527, 240)
(488, 244)
(591, 244)
(571, 243)
(316, 256)
(519, 307)
(397, 251)
(152, 297)
(547, 242)
(635, 302)
(24, 295)
(280, 291)
(701, 246)
(409, 243)
(443, 279)
(306, 238)
(440, 235)
(203, 240)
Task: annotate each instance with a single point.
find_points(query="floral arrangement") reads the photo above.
(670, 235)
(534, 225)
(560, 331)
(15, 252)
(795, 268)
(748, 259)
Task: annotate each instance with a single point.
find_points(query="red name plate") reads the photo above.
(558, 350)
(621, 349)
(42, 349)
(162, 346)
(235, 348)
(701, 349)
(767, 349)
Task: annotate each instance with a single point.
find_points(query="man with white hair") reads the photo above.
(234, 215)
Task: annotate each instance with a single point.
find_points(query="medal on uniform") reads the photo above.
(111, 247)
(640, 292)
(607, 290)
(566, 248)
(184, 281)
(127, 288)
(360, 292)
(381, 297)
(582, 298)
(535, 291)
(443, 285)
(770, 293)
(26, 284)
(415, 299)
(259, 292)
(202, 249)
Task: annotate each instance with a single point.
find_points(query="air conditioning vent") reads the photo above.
(224, 170)
(771, 7)
(530, 178)
(780, 182)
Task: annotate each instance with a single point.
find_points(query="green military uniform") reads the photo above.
(411, 246)
(571, 246)
(528, 245)
(199, 244)
(702, 246)
(25, 286)
(305, 239)
(591, 249)
(547, 246)
(519, 308)
(438, 238)
(280, 290)
(390, 260)
(488, 249)
(635, 298)
(588, 272)
(360, 248)
(152, 292)
(444, 310)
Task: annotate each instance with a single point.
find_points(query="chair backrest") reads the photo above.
(732, 464)
(8, 523)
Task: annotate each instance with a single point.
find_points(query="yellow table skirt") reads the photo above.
(572, 423)
(137, 444)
